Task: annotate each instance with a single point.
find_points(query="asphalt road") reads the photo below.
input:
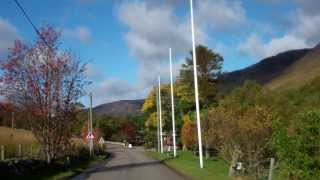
(129, 164)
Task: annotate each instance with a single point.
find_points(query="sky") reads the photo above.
(125, 42)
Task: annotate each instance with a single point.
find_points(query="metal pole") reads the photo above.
(196, 86)
(160, 116)
(172, 108)
(158, 128)
(91, 140)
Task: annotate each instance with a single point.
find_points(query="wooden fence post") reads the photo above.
(271, 169)
(2, 153)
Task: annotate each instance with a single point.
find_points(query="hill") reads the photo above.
(299, 73)
(264, 71)
(122, 108)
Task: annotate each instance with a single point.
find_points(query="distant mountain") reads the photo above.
(263, 72)
(122, 108)
(299, 73)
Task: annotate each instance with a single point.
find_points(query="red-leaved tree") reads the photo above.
(46, 82)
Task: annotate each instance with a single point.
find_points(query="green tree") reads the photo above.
(108, 125)
(209, 66)
(298, 146)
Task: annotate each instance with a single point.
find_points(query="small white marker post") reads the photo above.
(196, 86)
(172, 108)
(160, 116)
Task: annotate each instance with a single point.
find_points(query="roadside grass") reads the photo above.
(188, 164)
(11, 138)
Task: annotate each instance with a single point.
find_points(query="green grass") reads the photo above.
(187, 164)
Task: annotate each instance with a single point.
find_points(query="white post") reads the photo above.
(12, 120)
(90, 117)
(271, 169)
(160, 116)
(172, 108)
(158, 128)
(196, 85)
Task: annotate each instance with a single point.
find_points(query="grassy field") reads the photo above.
(11, 138)
(186, 163)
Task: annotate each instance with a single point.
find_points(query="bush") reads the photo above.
(298, 146)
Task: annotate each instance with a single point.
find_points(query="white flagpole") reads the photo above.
(91, 140)
(158, 129)
(196, 86)
(160, 115)
(172, 108)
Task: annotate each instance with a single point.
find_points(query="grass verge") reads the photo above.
(187, 164)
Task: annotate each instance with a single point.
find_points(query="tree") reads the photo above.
(46, 82)
(241, 126)
(298, 146)
(108, 125)
(128, 131)
(188, 133)
(209, 66)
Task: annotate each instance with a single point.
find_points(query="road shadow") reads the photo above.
(123, 167)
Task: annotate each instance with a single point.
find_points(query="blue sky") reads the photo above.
(126, 42)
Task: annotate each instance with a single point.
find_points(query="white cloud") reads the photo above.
(153, 27)
(221, 15)
(8, 34)
(114, 89)
(308, 27)
(80, 33)
(304, 33)
(255, 47)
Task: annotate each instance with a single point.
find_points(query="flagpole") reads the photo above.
(91, 140)
(160, 115)
(172, 108)
(196, 85)
(158, 129)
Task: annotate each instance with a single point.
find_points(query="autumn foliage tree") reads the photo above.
(188, 133)
(46, 82)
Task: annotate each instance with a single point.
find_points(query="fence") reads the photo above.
(19, 151)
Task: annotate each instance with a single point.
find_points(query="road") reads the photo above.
(129, 164)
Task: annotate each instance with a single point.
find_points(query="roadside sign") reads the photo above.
(101, 140)
(90, 136)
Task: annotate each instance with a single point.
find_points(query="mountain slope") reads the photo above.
(122, 108)
(300, 72)
(264, 71)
